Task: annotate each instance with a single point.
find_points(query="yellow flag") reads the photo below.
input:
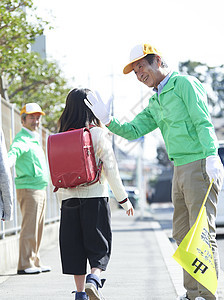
(194, 253)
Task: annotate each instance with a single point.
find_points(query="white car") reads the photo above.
(220, 207)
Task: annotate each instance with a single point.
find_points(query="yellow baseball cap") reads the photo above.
(137, 53)
(31, 108)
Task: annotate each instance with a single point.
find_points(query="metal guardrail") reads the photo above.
(11, 124)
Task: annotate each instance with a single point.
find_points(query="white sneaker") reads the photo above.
(45, 268)
(184, 297)
(101, 296)
(92, 291)
(29, 271)
(199, 298)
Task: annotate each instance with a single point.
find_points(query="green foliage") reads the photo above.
(16, 33)
(213, 80)
(39, 81)
(29, 77)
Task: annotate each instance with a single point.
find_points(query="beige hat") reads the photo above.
(31, 108)
(137, 53)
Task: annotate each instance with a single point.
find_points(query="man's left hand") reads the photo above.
(214, 167)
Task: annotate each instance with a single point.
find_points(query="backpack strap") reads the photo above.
(100, 164)
(91, 126)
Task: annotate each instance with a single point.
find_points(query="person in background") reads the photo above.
(85, 229)
(31, 180)
(6, 194)
(179, 109)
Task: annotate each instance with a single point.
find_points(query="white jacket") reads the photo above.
(110, 174)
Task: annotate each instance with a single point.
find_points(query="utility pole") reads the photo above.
(4, 88)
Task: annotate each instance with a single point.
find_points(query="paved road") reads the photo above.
(138, 268)
(163, 214)
(141, 266)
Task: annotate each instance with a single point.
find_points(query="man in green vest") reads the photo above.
(179, 109)
(31, 180)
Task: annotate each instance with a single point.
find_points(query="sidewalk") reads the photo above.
(141, 267)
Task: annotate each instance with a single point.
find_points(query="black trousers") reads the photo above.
(85, 234)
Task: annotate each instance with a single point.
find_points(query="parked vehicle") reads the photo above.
(220, 206)
(133, 195)
(162, 187)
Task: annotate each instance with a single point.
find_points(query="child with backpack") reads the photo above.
(85, 229)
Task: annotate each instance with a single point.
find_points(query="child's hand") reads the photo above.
(130, 212)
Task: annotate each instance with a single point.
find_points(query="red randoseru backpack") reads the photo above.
(72, 160)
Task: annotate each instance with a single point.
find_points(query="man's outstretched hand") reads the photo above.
(98, 107)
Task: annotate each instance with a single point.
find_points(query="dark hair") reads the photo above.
(23, 117)
(76, 113)
(150, 59)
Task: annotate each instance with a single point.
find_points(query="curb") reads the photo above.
(9, 249)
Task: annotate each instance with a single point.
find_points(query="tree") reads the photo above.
(16, 33)
(39, 81)
(162, 157)
(213, 80)
(24, 75)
